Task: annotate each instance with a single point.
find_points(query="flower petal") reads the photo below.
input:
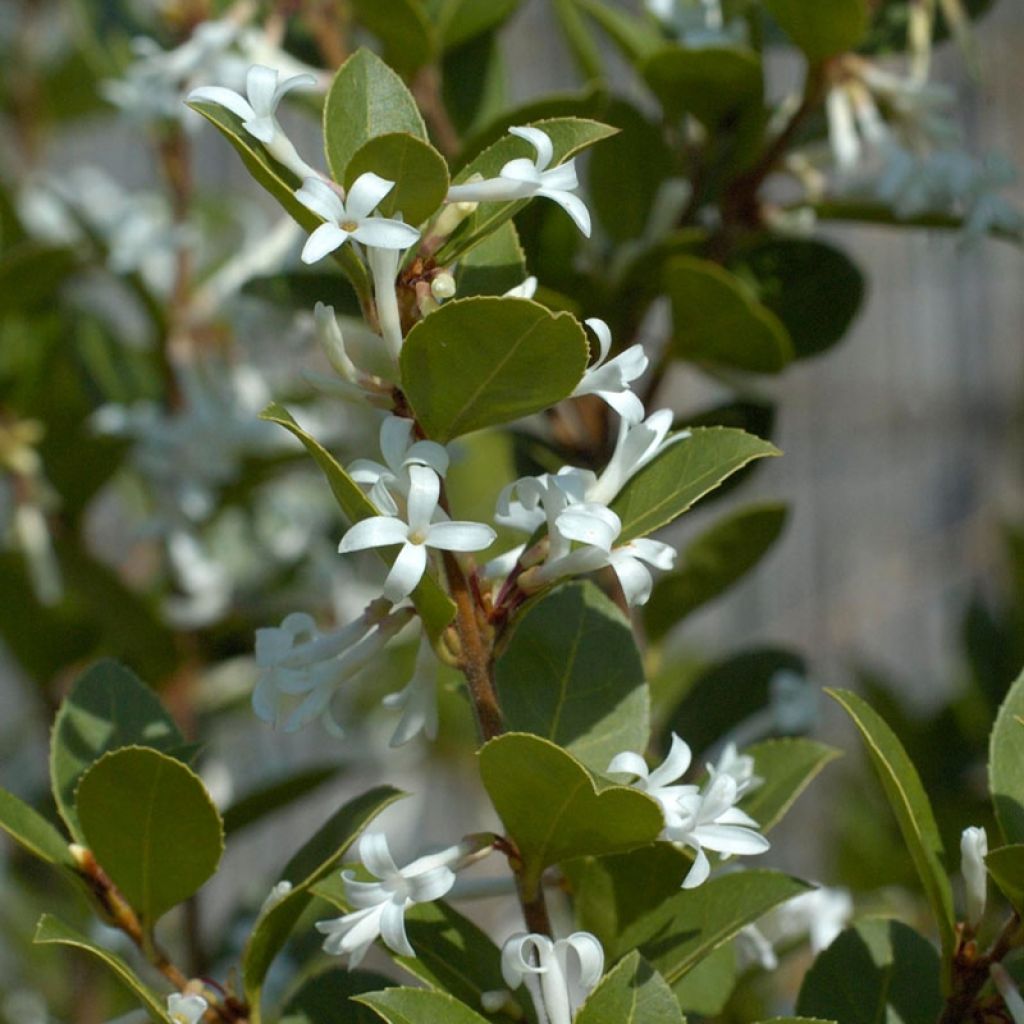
(589, 523)
(572, 204)
(324, 240)
(429, 453)
(430, 885)
(406, 572)
(262, 128)
(603, 333)
(634, 578)
(260, 86)
(628, 763)
(375, 854)
(294, 82)
(227, 98)
(318, 196)
(460, 536)
(375, 532)
(625, 403)
(392, 928)
(424, 489)
(732, 839)
(365, 194)
(698, 874)
(395, 435)
(540, 140)
(523, 173)
(383, 233)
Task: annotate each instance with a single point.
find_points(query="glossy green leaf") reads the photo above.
(366, 99)
(711, 563)
(788, 766)
(1006, 866)
(715, 319)
(1006, 764)
(493, 267)
(554, 810)
(569, 135)
(327, 998)
(815, 289)
(631, 993)
(821, 30)
(152, 827)
(311, 864)
(875, 971)
(257, 804)
(710, 82)
(460, 21)
(30, 830)
(569, 670)
(477, 362)
(680, 932)
(635, 37)
(108, 707)
(418, 170)
(52, 930)
(433, 604)
(910, 804)
(667, 486)
(408, 38)
(418, 1006)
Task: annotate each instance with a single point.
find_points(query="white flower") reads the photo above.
(418, 701)
(532, 501)
(258, 109)
(350, 218)
(186, 1009)
(820, 914)
(610, 380)
(400, 452)
(558, 975)
(636, 445)
(384, 269)
(415, 535)
(526, 290)
(710, 820)
(973, 850)
(380, 906)
(754, 947)
(740, 767)
(1008, 990)
(522, 179)
(660, 783)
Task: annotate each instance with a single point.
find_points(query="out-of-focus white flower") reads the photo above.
(418, 700)
(400, 452)
(636, 445)
(351, 217)
(610, 379)
(820, 914)
(416, 535)
(522, 179)
(526, 290)
(660, 784)
(740, 767)
(277, 893)
(186, 1009)
(559, 975)
(380, 906)
(1009, 991)
(973, 851)
(753, 947)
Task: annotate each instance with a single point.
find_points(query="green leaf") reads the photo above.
(327, 998)
(788, 766)
(417, 1006)
(274, 796)
(311, 864)
(494, 266)
(814, 289)
(31, 273)
(716, 320)
(30, 830)
(569, 135)
(570, 671)
(460, 21)
(682, 474)
(108, 707)
(554, 810)
(632, 993)
(821, 30)
(152, 827)
(635, 37)
(407, 36)
(797, 1020)
(433, 604)
(579, 39)
(682, 931)
(721, 556)
(366, 99)
(52, 930)
(708, 987)
(911, 806)
(1006, 866)
(875, 971)
(418, 170)
(710, 82)
(1006, 764)
(481, 361)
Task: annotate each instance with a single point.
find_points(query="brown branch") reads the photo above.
(426, 89)
(971, 970)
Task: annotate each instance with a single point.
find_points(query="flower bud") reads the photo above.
(973, 848)
(442, 286)
(329, 335)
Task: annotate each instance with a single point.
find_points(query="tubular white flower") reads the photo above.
(379, 907)
(258, 108)
(329, 335)
(558, 975)
(710, 820)
(973, 850)
(384, 269)
(351, 217)
(740, 767)
(610, 380)
(532, 501)
(415, 535)
(659, 784)
(399, 452)
(186, 1009)
(1008, 990)
(418, 700)
(636, 445)
(523, 179)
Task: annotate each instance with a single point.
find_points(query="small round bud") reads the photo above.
(442, 286)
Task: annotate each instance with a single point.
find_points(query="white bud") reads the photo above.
(329, 335)
(973, 849)
(442, 286)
